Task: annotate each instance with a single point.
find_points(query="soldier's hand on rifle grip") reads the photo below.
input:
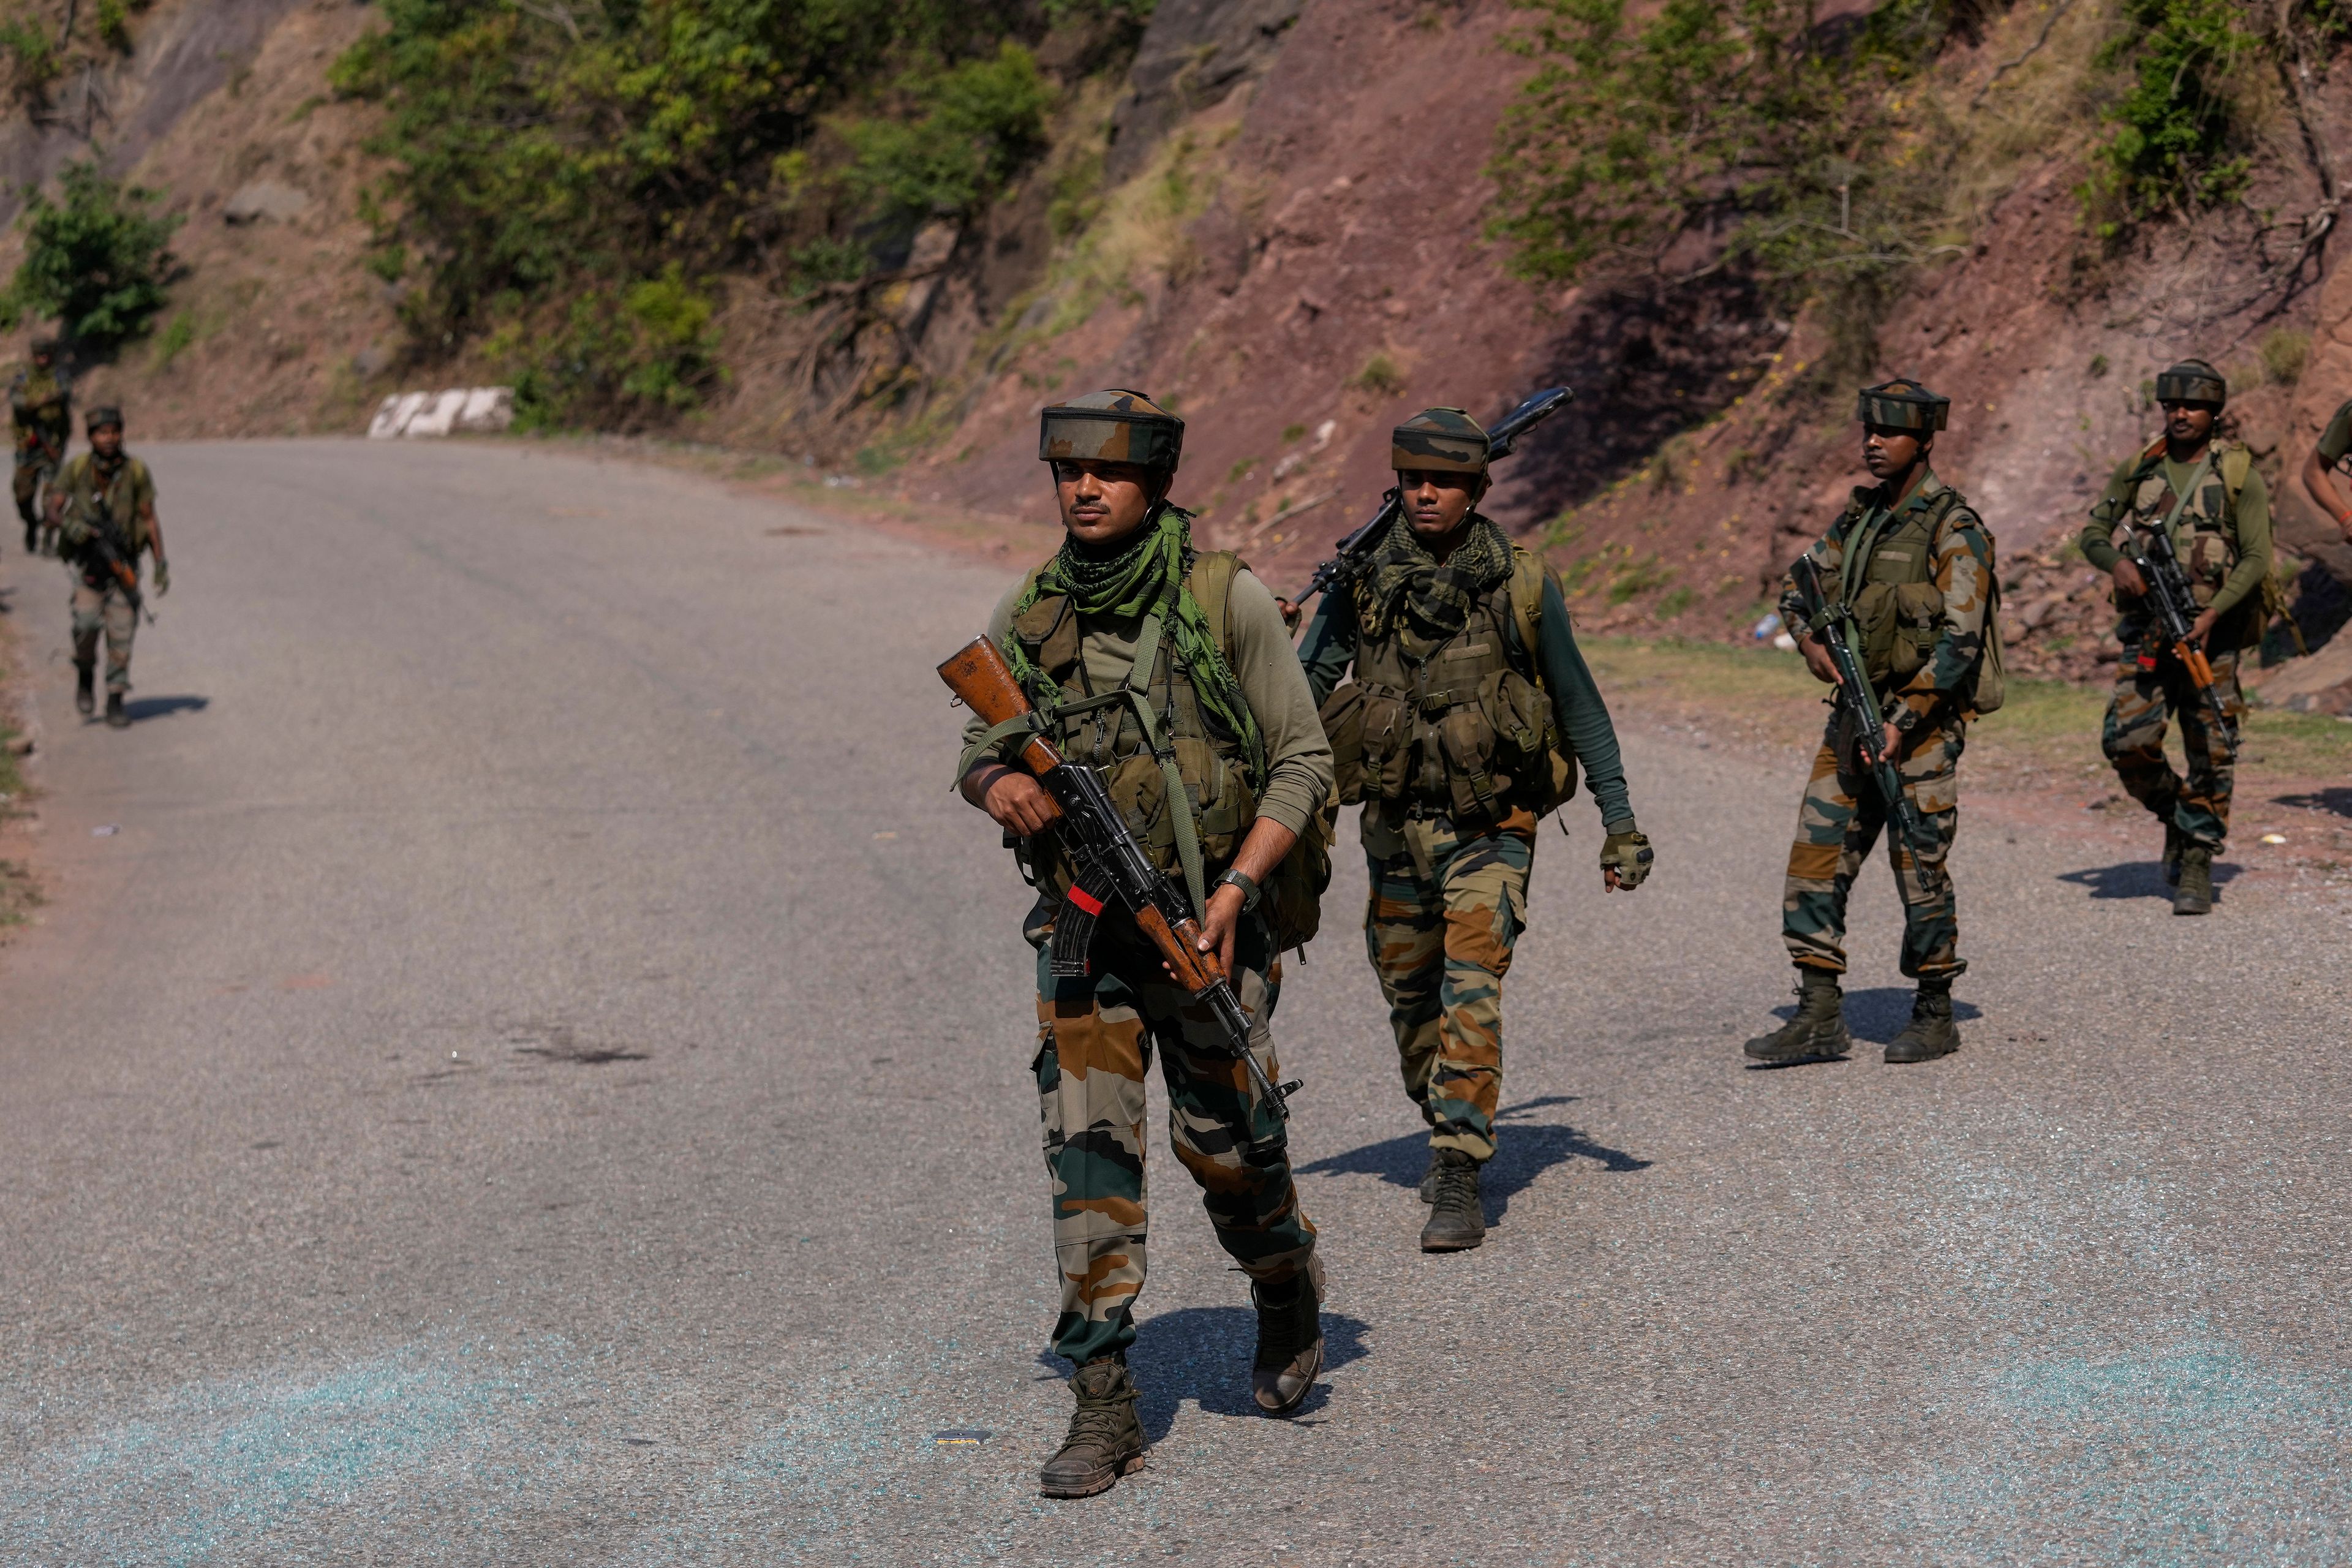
(2201, 627)
(1291, 614)
(1224, 920)
(1018, 802)
(2128, 579)
(1817, 659)
(1890, 740)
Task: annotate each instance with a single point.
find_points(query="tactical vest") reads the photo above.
(2205, 535)
(1888, 572)
(1100, 729)
(1463, 726)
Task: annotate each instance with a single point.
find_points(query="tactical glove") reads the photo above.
(1629, 854)
(163, 578)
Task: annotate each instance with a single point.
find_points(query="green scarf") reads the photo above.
(1148, 576)
(1405, 589)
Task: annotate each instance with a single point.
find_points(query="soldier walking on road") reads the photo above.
(1140, 650)
(1475, 707)
(2202, 491)
(104, 501)
(40, 401)
(1915, 563)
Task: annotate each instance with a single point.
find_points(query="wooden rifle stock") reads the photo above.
(979, 675)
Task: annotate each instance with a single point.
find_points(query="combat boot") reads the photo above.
(1289, 1339)
(1817, 1034)
(1429, 1177)
(1931, 1033)
(2196, 894)
(2175, 841)
(85, 695)
(117, 716)
(1105, 1440)
(1458, 1216)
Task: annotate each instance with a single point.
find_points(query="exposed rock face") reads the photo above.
(1193, 53)
(263, 199)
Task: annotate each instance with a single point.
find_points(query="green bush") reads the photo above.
(541, 153)
(2178, 141)
(96, 260)
(987, 116)
(1735, 116)
(630, 356)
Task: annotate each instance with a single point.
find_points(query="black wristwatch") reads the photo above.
(1237, 878)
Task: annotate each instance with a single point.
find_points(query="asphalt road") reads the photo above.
(537, 1073)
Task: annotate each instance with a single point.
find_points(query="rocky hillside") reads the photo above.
(1280, 215)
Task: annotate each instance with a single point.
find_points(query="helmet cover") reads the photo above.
(1902, 405)
(1114, 427)
(1446, 440)
(2192, 380)
(104, 414)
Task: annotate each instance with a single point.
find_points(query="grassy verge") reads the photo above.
(2047, 733)
(18, 892)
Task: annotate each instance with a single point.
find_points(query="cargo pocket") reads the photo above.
(1918, 611)
(1388, 751)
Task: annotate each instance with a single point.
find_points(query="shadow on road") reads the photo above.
(2137, 880)
(1524, 1150)
(145, 708)
(2337, 801)
(1204, 1354)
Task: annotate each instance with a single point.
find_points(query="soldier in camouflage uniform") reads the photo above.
(1474, 700)
(1132, 642)
(40, 401)
(1916, 564)
(2321, 465)
(2202, 489)
(106, 492)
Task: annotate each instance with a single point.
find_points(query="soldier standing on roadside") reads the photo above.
(1916, 564)
(2202, 490)
(106, 494)
(40, 401)
(1475, 699)
(1136, 646)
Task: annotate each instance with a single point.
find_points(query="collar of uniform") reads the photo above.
(1930, 487)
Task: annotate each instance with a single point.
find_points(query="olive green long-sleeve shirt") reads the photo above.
(2252, 521)
(1298, 774)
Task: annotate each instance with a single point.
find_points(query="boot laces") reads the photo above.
(1282, 1328)
(1457, 1184)
(1098, 1419)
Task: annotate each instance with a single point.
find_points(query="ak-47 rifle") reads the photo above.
(106, 546)
(2174, 610)
(1111, 865)
(1833, 619)
(1500, 441)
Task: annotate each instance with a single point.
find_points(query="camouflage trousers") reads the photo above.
(1445, 910)
(101, 606)
(1838, 826)
(2133, 739)
(31, 474)
(1096, 1033)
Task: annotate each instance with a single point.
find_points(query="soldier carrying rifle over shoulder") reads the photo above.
(41, 404)
(1912, 563)
(1169, 671)
(2200, 492)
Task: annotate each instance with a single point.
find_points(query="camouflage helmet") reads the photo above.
(1446, 440)
(104, 414)
(1114, 427)
(2192, 380)
(1902, 405)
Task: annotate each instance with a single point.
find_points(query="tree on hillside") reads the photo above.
(99, 259)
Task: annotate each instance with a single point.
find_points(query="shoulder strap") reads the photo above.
(1210, 584)
(1527, 603)
(2237, 462)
